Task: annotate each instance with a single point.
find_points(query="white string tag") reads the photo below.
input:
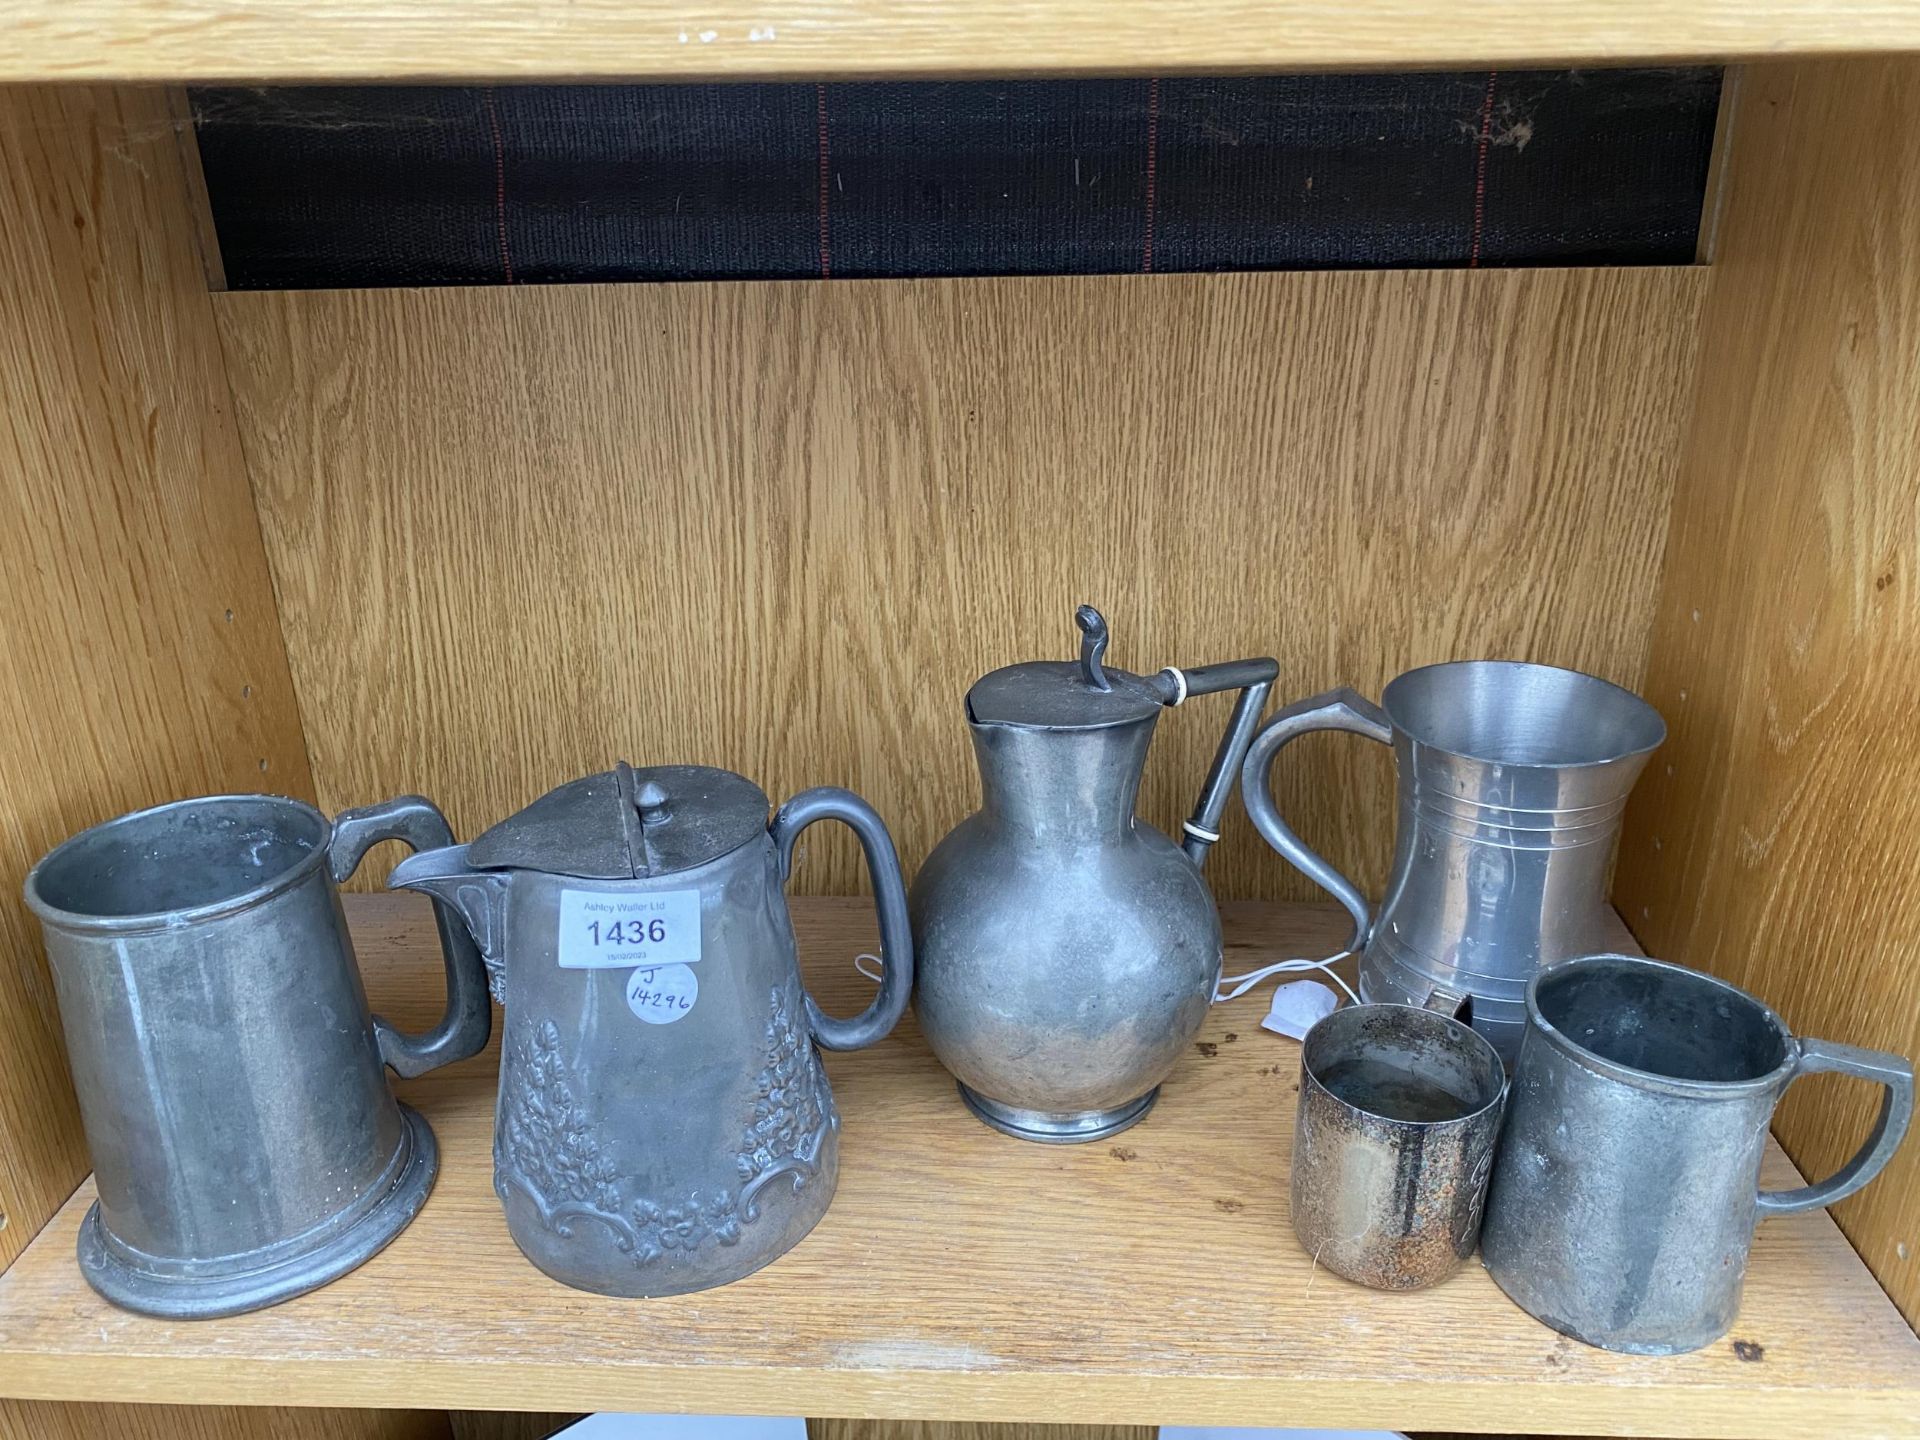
(1242, 983)
(1298, 1006)
(1302, 993)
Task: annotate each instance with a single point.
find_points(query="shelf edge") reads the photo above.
(265, 41)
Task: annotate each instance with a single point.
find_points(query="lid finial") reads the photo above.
(1093, 645)
(651, 801)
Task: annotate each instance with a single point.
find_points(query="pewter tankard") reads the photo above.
(1627, 1188)
(1067, 950)
(245, 1144)
(1512, 782)
(665, 1124)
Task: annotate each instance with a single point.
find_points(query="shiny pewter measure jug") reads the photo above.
(664, 1122)
(1067, 952)
(1512, 782)
(1627, 1187)
(245, 1143)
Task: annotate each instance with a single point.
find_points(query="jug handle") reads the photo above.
(1895, 1077)
(1341, 709)
(829, 802)
(468, 1022)
(1254, 680)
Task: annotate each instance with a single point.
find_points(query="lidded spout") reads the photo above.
(1062, 744)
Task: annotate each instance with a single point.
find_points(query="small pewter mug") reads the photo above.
(1512, 782)
(245, 1143)
(1399, 1116)
(1627, 1189)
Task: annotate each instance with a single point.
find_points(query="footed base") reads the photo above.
(181, 1296)
(1058, 1127)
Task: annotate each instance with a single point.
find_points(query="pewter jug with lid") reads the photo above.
(664, 1122)
(1067, 951)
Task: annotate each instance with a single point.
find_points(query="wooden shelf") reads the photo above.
(395, 40)
(963, 1275)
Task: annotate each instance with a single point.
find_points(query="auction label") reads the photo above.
(604, 930)
(662, 994)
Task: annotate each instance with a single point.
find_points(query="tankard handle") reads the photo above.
(1341, 709)
(1895, 1077)
(829, 802)
(468, 1022)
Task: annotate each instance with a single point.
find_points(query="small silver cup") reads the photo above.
(1399, 1115)
(245, 1143)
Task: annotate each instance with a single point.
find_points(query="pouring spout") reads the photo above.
(434, 872)
(477, 898)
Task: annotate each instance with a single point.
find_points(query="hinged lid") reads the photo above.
(1065, 694)
(624, 823)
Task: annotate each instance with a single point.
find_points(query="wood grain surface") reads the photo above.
(508, 1424)
(1774, 840)
(382, 40)
(519, 534)
(41, 1420)
(964, 1275)
(140, 656)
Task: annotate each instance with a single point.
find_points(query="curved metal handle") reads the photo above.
(1895, 1076)
(1254, 680)
(1341, 709)
(468, 1022)
(829, 802)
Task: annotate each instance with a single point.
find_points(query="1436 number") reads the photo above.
(628, 932)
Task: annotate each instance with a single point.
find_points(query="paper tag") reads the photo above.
(662, 994)
(1298, 1006)
(604, 930)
